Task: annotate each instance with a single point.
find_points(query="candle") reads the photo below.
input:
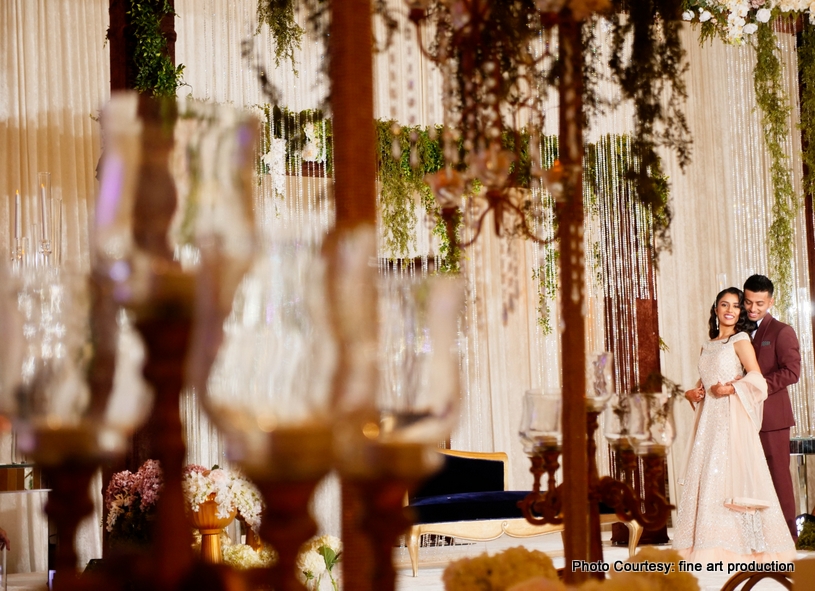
(46, 226)
(18, 217)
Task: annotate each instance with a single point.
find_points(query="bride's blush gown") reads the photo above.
(728, 509)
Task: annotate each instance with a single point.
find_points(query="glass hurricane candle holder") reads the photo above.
(269, 391)
(599, 379)
(651, 423)
(541, 421)
(616, 419)
(394, 412)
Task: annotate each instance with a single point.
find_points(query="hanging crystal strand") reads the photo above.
(305, 219)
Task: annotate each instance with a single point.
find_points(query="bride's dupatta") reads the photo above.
(746, 413)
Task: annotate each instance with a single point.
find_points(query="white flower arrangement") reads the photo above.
(735, 19)
(243, 557)
(230, 490)
(313, 151)
(274, 163)
(317, 558)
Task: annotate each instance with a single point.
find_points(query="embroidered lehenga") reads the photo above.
(728, 509)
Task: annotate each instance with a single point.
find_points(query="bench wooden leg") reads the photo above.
(413, 549)
(634, 535)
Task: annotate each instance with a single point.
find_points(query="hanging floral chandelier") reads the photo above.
(492, 80)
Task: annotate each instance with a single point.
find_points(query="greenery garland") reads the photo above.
(286, 33)
(806, 77)
(649, 29)
(775, 111)
(806, 541)
(155, 72)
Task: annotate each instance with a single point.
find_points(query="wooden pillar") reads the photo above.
(350, 45)
(572, 267)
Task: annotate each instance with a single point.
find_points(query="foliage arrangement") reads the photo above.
(735, 22)
(286, 33)
(130, 503)
(806, 539)
(806, 76)
(155, 72)
(404, 156)
(654, 83)
(775, 112)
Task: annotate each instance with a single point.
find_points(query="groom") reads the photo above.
(779, 358)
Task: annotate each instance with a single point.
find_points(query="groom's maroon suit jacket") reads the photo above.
(777, 351)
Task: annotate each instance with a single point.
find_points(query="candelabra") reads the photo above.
(493, 81)
(638, 425)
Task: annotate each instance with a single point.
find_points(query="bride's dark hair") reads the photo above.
(743, 324)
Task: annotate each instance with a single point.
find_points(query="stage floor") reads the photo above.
(434, 560)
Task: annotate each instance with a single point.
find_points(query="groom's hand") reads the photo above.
(719, 390)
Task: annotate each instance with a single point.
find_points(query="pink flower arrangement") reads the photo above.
(130, 501)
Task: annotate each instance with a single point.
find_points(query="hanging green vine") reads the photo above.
(649, 30)
(806, 76)
(405, 155)
(286, 33)
(155, 72)
(775, 111)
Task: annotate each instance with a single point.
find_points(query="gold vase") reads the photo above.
(207, 522)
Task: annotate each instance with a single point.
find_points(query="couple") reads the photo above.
(730, 510)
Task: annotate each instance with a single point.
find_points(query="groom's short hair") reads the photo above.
(758, 283)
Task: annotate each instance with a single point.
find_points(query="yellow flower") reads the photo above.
(674, 581)
(539, 584)
(499, 572)
(515, 565)
(620, 582)
(468, 574)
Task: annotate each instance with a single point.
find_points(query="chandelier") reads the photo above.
(496, 64)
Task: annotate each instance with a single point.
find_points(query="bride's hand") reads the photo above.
(695, 395)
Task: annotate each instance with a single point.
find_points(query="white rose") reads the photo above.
(705, 16)
(310, 152)
(750, 28)
(311, 562)
(687, 15)
(763, 15)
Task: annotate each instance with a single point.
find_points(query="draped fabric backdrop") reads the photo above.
(722, 211)
(54, 77)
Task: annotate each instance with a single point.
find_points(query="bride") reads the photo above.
(728, 510)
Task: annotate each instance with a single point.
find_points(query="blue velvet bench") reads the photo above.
(468, 500)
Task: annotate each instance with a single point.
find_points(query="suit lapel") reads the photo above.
(762, 330)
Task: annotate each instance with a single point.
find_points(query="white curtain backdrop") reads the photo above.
(722, 208)
(54, 77)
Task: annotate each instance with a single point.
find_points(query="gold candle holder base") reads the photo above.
(295, 461)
